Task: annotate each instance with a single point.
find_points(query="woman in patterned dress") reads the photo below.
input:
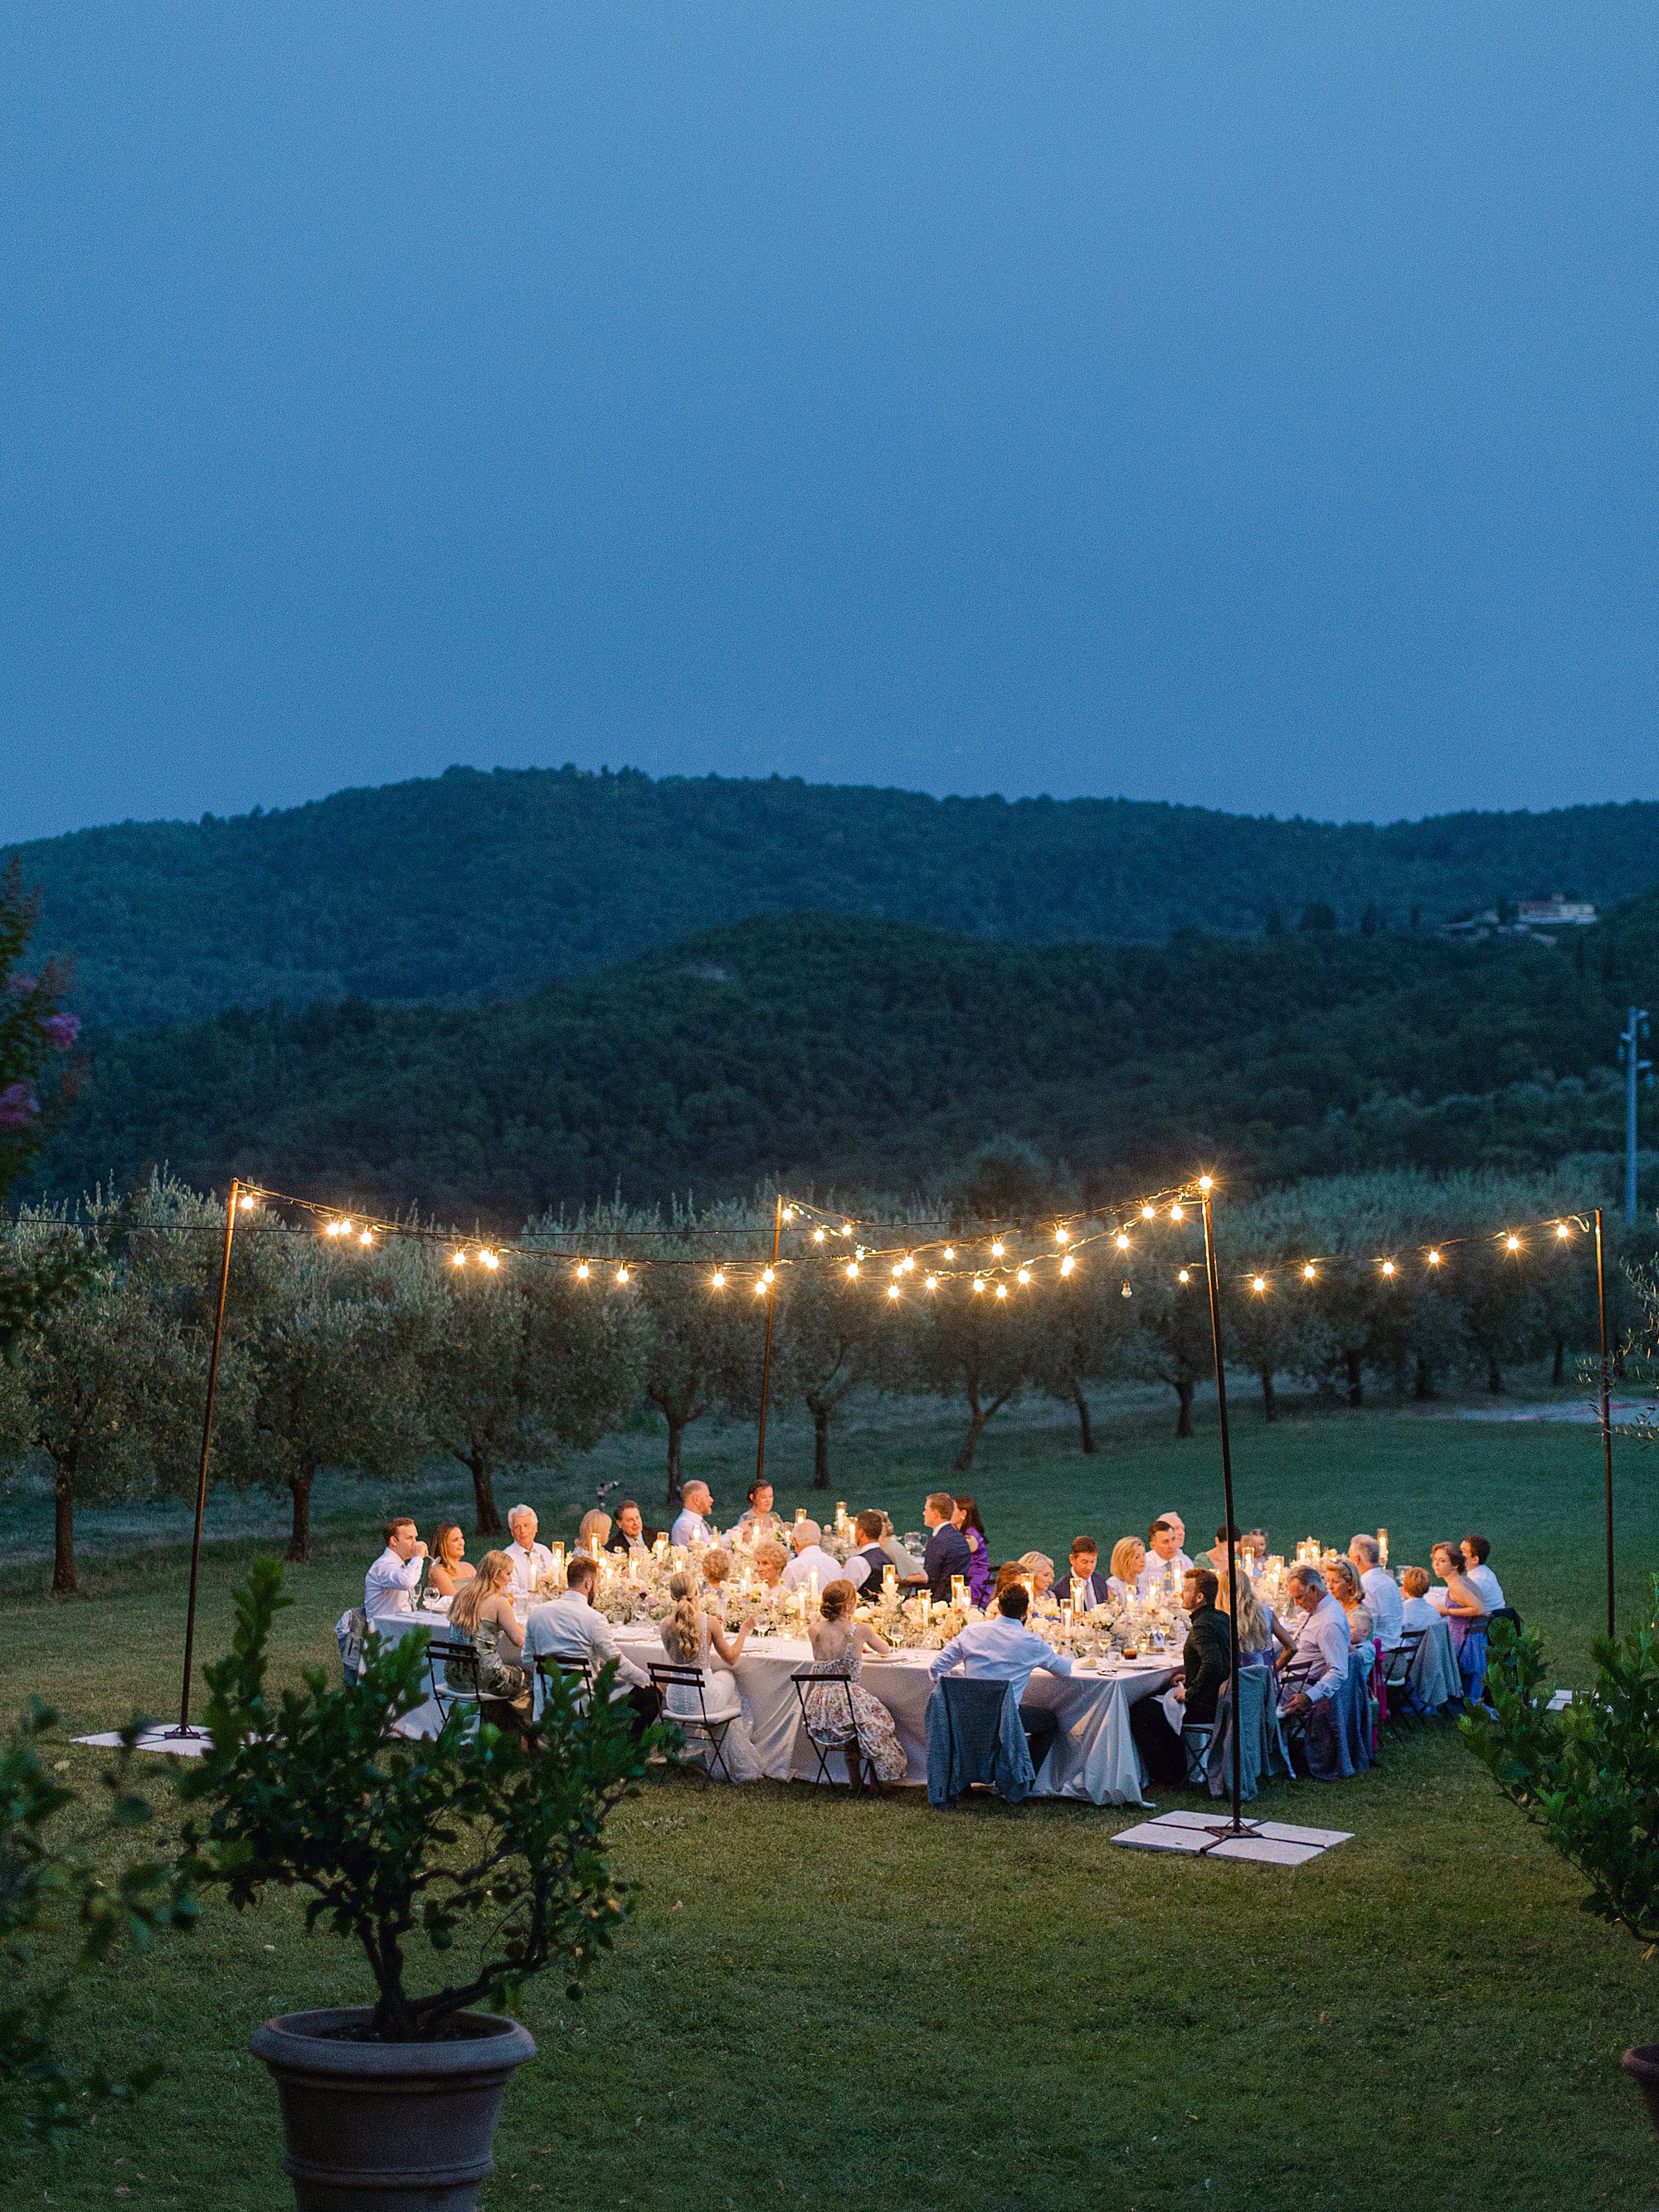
(839, 1642)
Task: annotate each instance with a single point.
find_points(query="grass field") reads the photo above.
(823, 1999)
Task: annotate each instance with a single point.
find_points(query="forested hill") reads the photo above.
(478, 886)
(881, 1054)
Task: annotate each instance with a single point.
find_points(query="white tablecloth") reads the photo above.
(1095, 1757)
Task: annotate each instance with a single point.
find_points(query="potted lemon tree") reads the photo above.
(467, 1844)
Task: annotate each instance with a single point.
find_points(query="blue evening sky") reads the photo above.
(1250, 403)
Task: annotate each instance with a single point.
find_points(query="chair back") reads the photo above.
(1504, 1613)
(451, 1671)
(972, 1711)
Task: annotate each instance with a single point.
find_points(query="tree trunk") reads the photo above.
(963, 1461)
(1269, 1395)
(1356, 1384)
(821, 1414)
(299, 1542)
(676, 1462)
(1086, 1427)
(485, 1511)
(1424, 1387)
(64, 1583)
(1494, 1378)
(1558, 1373)
(1184, 1418)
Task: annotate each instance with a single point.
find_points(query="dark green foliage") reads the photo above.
(478, 885)
(1588, 1776)
(476, 1840)
(63, 1913)
(880, 1055)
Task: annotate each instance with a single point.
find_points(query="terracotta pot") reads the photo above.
(1641, 2062)
(390, 2127)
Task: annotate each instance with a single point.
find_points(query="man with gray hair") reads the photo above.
(1379, 1590)
(531, 1560)
(811, 1559)
(1322, 1646)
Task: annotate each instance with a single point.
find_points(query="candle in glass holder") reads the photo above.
(1382, 1545)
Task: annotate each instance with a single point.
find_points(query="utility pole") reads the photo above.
(1630, 1051)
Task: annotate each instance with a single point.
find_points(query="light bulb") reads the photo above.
(1149, 1213)
(847, 1228)
(852, 1269)
(333, 1229)
(950, 1251)
(1434, 1259)
(1206, 1183)
(583, 1271)
(818, 1236)
(1388, 1267)
(760, 1287)
(979, 1284)
(1308, 1272)
(1063, 1236)
(717, 1279)
(1185, 1276)
(622, 1275)
(1002, 1290)
(1122, 1242)
(996, 1249)
(789, 1213)
(490, 1260)
(366, 1236)
(246, 1201)
(1177, 1214)
(1023, 1276)
(1259, 1283)
(892, 1289)
(769, 1275)
(897, 1267)
(1562, 1230)
(909, 1263)
(1068, 1264)
(1511, 1243)
(458, 1259)
(932, 1283)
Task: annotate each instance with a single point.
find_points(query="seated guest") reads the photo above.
(759, 1521)
(1344, 1586)
(1416, 1611)
(390, 1584)
(1002, 1649)
(630, 1534)
(567, 1627)
(692, 1523)
(1465, 1617)
(906, 1564)
(1477, 1550)
(1039, 1570)
(811, 1559)
(482, 1614)
(1322, 1644)
(873, 1553)
(593, 1533)
(1259, 1627)
(691, 1639)
(1128, 1558)
(770, 1561)
(966, 1518)
(531, 1561)
(1378, 1589)
(1166, 1563)
(1216, 1557)
(840, 1641)
(1180, 1528)
(947, 1552)
(715, 1567)
(450, 1567)
(1205, 1664)
(1085, 1587)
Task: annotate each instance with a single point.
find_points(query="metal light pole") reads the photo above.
(1237, 1828)
(184, 1728)
(1606, 1400)
(1630, 1051)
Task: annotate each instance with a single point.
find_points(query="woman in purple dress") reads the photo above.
(966, 1518)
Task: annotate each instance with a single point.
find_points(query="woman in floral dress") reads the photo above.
(839, 1642)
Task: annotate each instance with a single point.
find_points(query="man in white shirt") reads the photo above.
(811, 1559)
(531, 1560)
(1167, 1565)
(567, 1627)
(390, 1584)
(692, 1523)
(1321, 1643)
(1477, 1551)
(1001, 1649)
(1378, 1589)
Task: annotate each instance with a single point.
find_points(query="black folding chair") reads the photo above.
(806, 1681)
(1396, 1679)
(664, 1678)
(575, 1674)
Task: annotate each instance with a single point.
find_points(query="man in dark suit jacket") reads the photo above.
(1086, 1586)
(629, 1533)
(1205, 1663)
(948, 1553)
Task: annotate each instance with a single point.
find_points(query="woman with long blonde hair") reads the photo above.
(1258, 1630)
(482, 1613)
(592, 1532)
(1128, 1558)
(690, 1638)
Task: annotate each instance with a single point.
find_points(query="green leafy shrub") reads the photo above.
(1589, 1776)
(396, 1839)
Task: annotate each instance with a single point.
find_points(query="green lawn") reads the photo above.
(823, 1999)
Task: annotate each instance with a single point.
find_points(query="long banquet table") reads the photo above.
(1094, 1759)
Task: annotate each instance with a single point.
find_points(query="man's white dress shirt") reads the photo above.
(689, 1528)
(389, 1584)
(1323, 1640)
(1484, 1580)
(529, 1566)
(1163, 1574)
(1386, 1606)
(814, 1560)
(567, 1627)
(1000, 1650)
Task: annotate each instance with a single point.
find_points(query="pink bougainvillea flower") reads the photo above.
(62, 1028)
(18, 1106)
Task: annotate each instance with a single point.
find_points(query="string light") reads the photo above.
(488, 1260)
(1511, 1243)
(1388, 1267)
(1122, 1242)
(1068, 1264)
(1206, 1183)
(1562, 1230)
(1177, 1214)
(1149, 1213)
(1185, 1276)
(1310, 1272)
(996, 1249)
(246, 1201)
(1063, 1236)
(759, 1289)
(458, 1259)
(622, 1275)
(1002, 1290)
(366, 1236)
(769, 1275)
(979, 1284)
(334, 1229)
(852, 1270)
(818, 1236)
(892, 1289)
(908, 1263)
(897, 1267)
(789, 1213)
(932, 1283)
(847, 1228)
(950, 1251)
(1023, 1276)
(1260, 1283)
(717, 1279)
(1434, 1259)
(583, 1271)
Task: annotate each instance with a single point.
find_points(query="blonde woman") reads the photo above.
(1342, 1578)
(839, 1643)
(770, 1561)
(1039, 1570)
(1258, 1630)
(450, 1567)
(1128, 1558)
(690, 1639)
(481, 1615)
(593, 1533)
